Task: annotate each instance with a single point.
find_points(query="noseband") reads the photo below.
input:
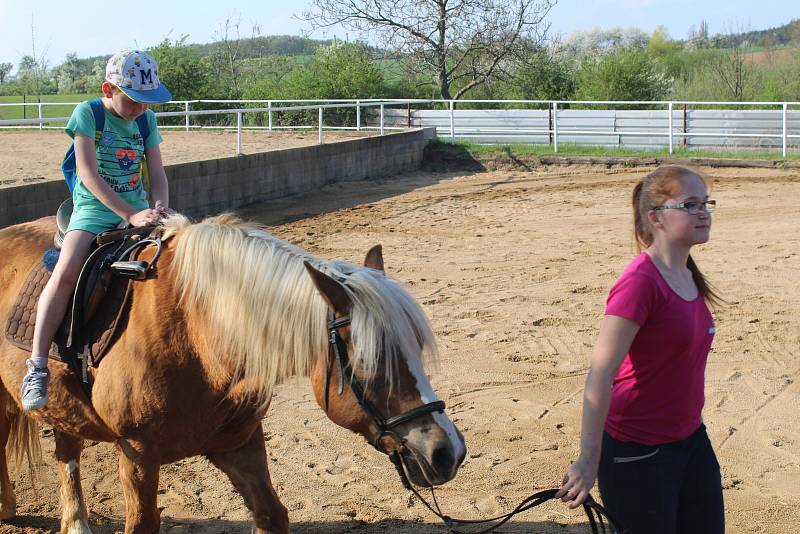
(384, 426)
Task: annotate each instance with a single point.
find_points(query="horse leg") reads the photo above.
(138, 474)
(247, 469)
(8, 412)
(74, 518)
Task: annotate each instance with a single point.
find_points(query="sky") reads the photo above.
(102, 28)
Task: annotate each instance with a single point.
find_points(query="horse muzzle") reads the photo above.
(431, 456)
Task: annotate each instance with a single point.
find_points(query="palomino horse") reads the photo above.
(230, 312)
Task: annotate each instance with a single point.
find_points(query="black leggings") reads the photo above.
(674, 488)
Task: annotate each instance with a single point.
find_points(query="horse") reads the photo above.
(229, 312)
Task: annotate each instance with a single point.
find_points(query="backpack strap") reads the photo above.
(99, 118)
(99, 113)
(144, 127)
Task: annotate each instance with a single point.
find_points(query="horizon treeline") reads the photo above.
(612, 64)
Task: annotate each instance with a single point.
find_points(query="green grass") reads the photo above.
(31, 111)
(516, 150)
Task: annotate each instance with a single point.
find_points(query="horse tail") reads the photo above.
(23, 445)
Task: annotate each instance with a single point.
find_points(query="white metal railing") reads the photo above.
(40, 121)
(454, 129)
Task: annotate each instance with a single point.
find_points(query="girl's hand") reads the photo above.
(146, 217)
(578, 482)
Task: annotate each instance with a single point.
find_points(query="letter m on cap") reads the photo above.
(147, 75)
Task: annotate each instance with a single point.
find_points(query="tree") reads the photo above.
(185, 74)
(623, 74)
(596, 42)
(660, 43)
(341, 70)
(548, 76)
(33, 68)
(31, 74)
(68, 74)
(732, 71)
(455, 43)
(228, 55)
(5, 68)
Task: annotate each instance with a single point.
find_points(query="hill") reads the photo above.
(788, 34)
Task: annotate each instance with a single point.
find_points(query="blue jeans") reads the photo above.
(675, 488)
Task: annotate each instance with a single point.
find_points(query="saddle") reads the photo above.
(99, 307)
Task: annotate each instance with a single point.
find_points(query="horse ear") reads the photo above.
(332, 291)
(374, 259)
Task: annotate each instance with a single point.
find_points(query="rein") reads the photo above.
(599, 519)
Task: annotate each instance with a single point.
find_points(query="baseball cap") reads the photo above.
(135, 73)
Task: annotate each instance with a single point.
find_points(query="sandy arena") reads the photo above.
(31, 156)
(513, 269)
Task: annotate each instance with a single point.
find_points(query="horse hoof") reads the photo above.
(78, 527)
(7, 511)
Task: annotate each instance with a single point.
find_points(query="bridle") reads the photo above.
(337, 354)
(385, 427)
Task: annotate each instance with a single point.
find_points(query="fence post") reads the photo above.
(320, 125)
(269, 114)
(358, 115)
(555, 127)
(669, 123)
(685, 141)
(41, 124)
(381, 119)
(785, 129)
(186, 108)
(238, 133)
(452, 124)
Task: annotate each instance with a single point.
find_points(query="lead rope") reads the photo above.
(598, 516)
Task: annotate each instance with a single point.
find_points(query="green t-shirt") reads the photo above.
(119, 154)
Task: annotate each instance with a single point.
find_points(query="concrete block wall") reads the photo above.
(203, 188)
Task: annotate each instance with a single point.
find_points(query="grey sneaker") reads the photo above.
(34, 387)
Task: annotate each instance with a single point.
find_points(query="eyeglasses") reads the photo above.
(693, 207)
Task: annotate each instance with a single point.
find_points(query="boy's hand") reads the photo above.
(163, 210)
(146, 217)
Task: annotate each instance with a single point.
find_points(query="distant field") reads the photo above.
(31, 111)
(766, 56)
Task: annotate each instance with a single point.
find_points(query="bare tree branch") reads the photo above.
(447, 40)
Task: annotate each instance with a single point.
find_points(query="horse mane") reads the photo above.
(267, 316)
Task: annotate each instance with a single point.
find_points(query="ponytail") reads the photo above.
(705, 289)
(642, 236)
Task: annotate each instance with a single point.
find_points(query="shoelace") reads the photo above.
(36, 379)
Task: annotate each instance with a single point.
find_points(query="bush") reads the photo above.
(342, 70)
(622, 74)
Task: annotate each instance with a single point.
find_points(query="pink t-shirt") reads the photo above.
(657, 395)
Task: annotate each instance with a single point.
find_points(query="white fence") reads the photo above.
(42, 122)
(691, 125)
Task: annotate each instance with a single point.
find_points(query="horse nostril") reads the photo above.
(443, 458)
(461, 458)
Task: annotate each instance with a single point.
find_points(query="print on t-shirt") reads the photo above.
(119, 160)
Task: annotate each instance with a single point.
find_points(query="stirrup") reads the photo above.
(136, 269)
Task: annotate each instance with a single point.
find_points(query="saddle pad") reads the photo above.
(99, 331)
(22, 317)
